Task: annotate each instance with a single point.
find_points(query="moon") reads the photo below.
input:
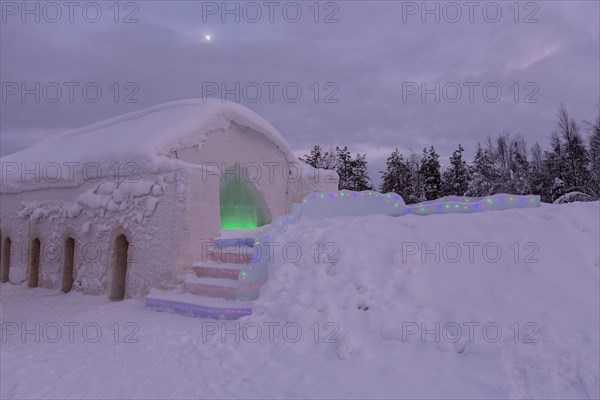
(207, 38)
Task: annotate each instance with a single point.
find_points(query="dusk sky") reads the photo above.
(357, 63)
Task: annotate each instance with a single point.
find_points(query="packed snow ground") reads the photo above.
(362, 303)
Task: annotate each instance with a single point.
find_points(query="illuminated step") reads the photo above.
(217, 270)
(225, 288)
(196, 306)
(212, 287)
(230, 255)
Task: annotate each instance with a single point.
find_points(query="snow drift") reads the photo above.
(500, 304)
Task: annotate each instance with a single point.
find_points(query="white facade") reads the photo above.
(154, 176)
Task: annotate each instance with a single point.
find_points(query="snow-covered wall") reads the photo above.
(164, 217)
(347, 203)
(259, 162)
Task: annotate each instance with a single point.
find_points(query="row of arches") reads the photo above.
(119, 265)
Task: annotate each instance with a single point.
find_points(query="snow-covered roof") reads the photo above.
(148, 135)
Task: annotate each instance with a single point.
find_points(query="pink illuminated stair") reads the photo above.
(217, 270)
(212, 289)
(231, 255)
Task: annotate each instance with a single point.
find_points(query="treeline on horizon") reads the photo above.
(567, 170)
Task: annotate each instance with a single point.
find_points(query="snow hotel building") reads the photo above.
(129, 204)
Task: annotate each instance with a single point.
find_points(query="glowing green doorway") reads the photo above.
(242, 205)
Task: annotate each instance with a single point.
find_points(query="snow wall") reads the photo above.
(354, 204)
(152, 212)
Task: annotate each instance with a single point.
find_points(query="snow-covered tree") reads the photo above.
(519, 173)
(343, 167)
(574, 158)
(314, 158)
(319, 159)
(566, 163)
(593, 188)
(328, 161)
(484, 177)
(570, 165)
(392, 176)
(455, 180)
(430, 174)
(414, 191)
(539, 178)
(553, 166)
(396, 177)
(359, 179)
(502, 161)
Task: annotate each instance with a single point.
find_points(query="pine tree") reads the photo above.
(319, 159)
(430, 173)
(455, 180)
(593, 188)
(519, 177)
(414, 189)
(396, 177)
(483, 175)
(539, 177)
(502, 162)
(360, 177)
(315, 157)
(344, 168)
(553, 166)
(510, 164)
(328, 161)
(392, 176)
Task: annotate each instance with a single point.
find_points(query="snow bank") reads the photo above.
(497, 304)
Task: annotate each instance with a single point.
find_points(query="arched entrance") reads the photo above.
(34, 263)
(242, 205)
(119, 268)
(6, 249)
(69, 260)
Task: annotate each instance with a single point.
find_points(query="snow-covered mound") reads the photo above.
(360, 303)
(145, 136)
(497, 304)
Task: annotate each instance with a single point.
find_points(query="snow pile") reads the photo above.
(504, 303)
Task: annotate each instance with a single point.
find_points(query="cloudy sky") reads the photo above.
(372, 75)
